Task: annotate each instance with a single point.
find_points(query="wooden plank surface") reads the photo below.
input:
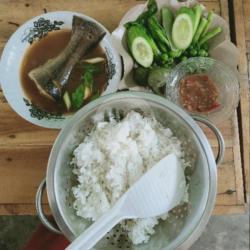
(246, 11)
(245, 79)
(241, 14)
(24, 148)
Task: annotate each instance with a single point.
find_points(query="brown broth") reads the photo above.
(48, 47)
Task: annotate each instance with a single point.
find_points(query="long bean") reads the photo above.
(210, 18)
(200, 29)
(210, 35)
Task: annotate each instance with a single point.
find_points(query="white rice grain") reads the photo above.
(113, 157)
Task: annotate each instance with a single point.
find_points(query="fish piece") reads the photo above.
(51, 77)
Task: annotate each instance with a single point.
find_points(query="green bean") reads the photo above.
(200, 29)
(210, 35)
(210, 18)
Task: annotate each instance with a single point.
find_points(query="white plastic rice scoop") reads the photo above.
(159, 190)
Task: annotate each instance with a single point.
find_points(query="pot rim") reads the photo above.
(200, 136)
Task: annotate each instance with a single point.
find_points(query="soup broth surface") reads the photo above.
(48, 47)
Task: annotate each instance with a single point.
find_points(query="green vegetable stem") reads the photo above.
(66, 100)
(210, 18)
(175, 53)
(84, 90)
(200, 29)
(167, 23)
(162, 47)
(152, 8)
(157, 31)
(197, 16)
(210, 35)
(203, 53)
(77, 97)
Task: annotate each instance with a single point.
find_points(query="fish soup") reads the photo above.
(87, 79)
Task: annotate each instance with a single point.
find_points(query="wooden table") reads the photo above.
(24, 148)
(245, 70)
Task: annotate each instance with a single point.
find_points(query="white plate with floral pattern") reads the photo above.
(15, 49)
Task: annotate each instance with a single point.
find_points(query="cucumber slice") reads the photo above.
(137, 30)
(187, 11)
(182, 32)
(142, 52)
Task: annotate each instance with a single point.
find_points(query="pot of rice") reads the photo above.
(106, 147)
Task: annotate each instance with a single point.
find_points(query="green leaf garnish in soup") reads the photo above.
(84, 91)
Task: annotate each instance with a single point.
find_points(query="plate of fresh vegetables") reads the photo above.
(154, 37)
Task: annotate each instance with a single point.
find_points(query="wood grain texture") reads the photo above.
(14, 130)
(103, 12)
(24, 182)
(246, 12)
(21, 209)
(229, 210)
(246, 108)
(237, 162)
(241, 15)
(224, 9)
(24, 148)
(21, 171)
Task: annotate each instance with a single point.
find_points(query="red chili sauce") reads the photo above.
(198, 93)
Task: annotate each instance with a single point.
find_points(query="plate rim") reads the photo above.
(53, 123)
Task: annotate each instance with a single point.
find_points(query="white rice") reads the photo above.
(111, 158)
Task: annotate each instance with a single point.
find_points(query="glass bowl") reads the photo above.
(223, 77)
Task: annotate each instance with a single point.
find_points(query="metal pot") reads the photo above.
(203, 182)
